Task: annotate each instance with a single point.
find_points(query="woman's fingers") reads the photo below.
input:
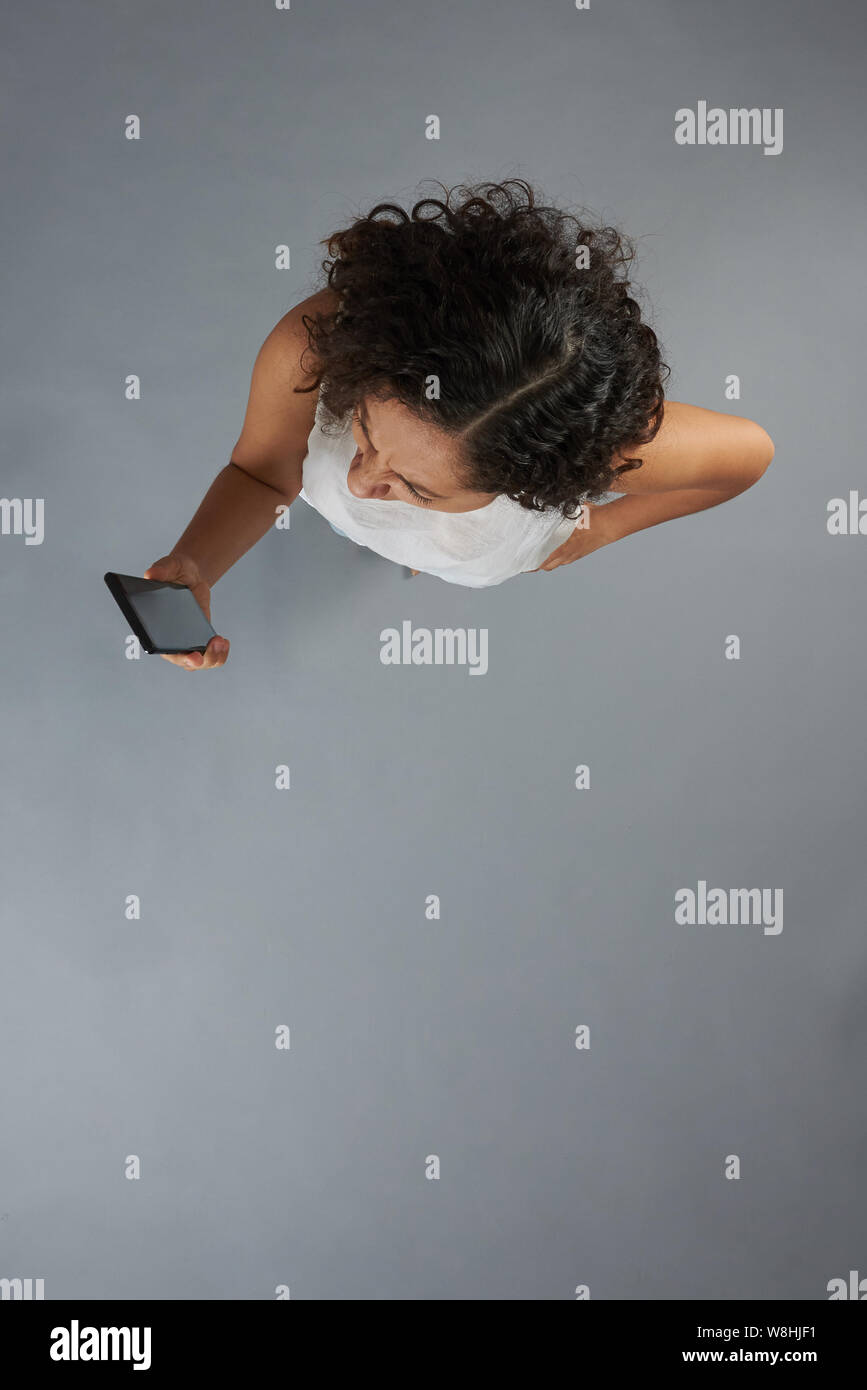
(169, 570)
(215, 654)
(556, 558)
(179, 569)
(217, 651)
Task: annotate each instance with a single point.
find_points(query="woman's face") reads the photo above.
(403, 459)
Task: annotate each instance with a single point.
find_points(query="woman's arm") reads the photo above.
(233, 515)
(698, 459)
(697, 448)
(265, 468)
(264, 473)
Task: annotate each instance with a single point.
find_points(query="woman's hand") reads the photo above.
(589, 535)
(182, 569)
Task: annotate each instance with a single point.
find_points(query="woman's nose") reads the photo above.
(364, 482)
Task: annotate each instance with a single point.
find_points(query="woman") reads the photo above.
(471, 383)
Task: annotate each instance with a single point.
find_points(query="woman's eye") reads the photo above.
(425, 501)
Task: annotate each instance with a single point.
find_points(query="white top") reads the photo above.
(477, 548)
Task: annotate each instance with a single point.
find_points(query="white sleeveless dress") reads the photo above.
(477, 548)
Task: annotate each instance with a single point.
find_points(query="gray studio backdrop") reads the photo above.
(606, 1168)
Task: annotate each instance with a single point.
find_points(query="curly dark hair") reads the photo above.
(545, 367)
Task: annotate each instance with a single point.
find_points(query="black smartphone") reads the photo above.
(165, 617)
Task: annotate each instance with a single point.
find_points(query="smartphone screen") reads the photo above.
(165, 617)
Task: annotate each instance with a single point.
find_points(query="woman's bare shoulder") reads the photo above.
(291, 331)
(279, 417)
